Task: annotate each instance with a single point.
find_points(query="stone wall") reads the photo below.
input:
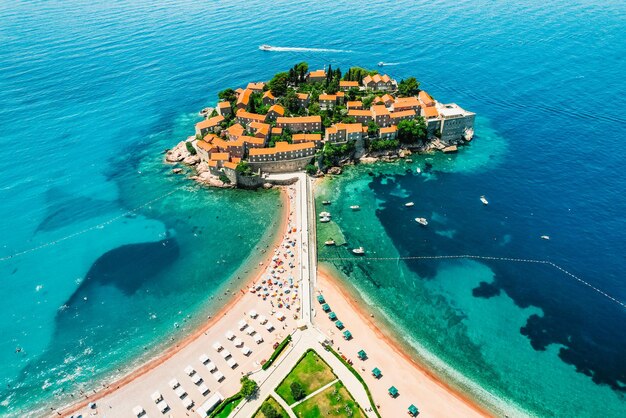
(297, 164)
(249, 182)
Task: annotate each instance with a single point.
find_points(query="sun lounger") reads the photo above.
(138, 411)
(242, 325)
(231, 363)
(203, 389)
(250, 331)
(280, 316)
(262, 319)
(230, 335)
(163, 406)
(238, 342)
(188, 402)
(218, 376)
(211, 366)
(190, 370)
(157, 397)
(225, 354)
(246, 351)
(253, 314)
(174, 383)
(217, 346)
(180, 392)
(196, 379)
(258, 339)
(204, 359)
(269, 326)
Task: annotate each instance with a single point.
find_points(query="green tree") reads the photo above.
(227, 95)
(278, 84)
(311, 169)
(269, 411)
(408, 87)
(297, 391)
(190, 148)
(244, 168)
(373, 128)
(248, 387)
(410, 131)
(290, 100)
(367, 102)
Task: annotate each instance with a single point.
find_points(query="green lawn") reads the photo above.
(276, 405)
(311, 372)
(334, 401)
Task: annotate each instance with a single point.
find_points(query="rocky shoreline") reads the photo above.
(200, 169)
(180, 155)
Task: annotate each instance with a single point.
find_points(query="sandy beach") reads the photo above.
(415, 384)
(272, 295)
(120, 397)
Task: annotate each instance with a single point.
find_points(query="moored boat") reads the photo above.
(546, 237)
(324, 219)
(409, 204)
(358, 251)
(355, 207)
(329, 242)
(421, 221)
(324, 214)
(484, 200)
(326, 202)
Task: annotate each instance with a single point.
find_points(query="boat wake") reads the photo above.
(293, 49)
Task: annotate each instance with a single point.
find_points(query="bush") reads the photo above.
(244, 168)
(270, 412)
(248, 387)
(297, 391)
(311, 169)
(224, 179)
(276, 352)
(190, 148)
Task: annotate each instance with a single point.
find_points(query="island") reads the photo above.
(317, 121)
(289, 340)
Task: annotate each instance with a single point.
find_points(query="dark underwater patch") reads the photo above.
(589, 327)
(64, 209)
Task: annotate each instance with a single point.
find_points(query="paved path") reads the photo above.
(323, 388)
(310, 336)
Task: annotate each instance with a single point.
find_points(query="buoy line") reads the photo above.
(91, 228)
(481, 257)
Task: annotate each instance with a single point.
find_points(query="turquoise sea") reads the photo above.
(103, 251)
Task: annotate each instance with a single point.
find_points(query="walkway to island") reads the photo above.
(309, 330)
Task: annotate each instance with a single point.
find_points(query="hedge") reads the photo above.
(237, 396)
(358, 376)
(276, 352)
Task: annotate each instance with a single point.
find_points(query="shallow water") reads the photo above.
(93, 93)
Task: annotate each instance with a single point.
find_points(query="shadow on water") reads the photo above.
(85, 321)
(63, 209)
(571, 314)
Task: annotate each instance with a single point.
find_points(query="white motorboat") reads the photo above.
(546, 237)
(265, 48)
(324, 219)
(409, 204)
(484, 200)
(326, 202)
(418, 170)
(329, 242)
(421, 221)
(355, 207)
(324, 214)
(358, 251)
